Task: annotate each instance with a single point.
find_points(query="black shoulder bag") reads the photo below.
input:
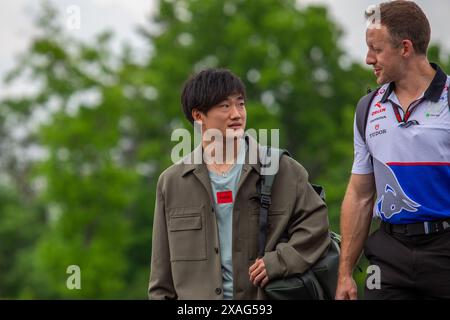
(317, 283)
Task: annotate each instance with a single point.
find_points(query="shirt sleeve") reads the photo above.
(362, 163)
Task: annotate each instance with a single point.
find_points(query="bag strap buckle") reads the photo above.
(266, 201)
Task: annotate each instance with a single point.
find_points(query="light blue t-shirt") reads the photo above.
(224, 188)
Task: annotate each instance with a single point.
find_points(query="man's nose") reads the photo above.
(235, 111)
(370, 58)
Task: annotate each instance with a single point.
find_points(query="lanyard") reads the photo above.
(410, 109)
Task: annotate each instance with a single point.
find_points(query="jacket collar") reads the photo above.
(194, 160)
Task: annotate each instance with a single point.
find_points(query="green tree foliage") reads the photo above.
(297, 77)
(96, 192)
(88, 200)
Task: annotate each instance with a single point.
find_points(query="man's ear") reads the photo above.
(197, 115)
(408, 48)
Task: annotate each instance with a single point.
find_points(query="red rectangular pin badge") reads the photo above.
(224, 197)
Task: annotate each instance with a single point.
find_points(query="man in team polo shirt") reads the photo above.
(404, 158)
(206, 221)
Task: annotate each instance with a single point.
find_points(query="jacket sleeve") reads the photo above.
(308, 231)
(161, 283)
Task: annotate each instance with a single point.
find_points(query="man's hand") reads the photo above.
(258, 274)
(346, 288)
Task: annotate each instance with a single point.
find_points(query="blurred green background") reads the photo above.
(88, 199)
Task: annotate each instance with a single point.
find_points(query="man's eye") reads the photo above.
(224, 105)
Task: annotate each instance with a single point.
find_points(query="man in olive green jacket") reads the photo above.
(188, 235)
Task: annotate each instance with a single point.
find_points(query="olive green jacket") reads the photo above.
(185, 260)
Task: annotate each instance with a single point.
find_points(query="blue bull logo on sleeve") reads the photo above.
(391, 197)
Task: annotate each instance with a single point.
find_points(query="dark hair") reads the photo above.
(207, 88)
(405, 20)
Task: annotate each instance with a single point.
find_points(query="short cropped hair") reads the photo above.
(208, 88)
(405, 20)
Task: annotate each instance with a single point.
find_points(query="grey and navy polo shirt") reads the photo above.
(409, 153)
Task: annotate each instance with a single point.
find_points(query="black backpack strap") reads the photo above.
(362, 112)
(319, 190)
(266, 197)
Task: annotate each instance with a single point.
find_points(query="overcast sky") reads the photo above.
(349, 14)
(122, 17)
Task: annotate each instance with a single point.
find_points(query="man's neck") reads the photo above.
(416, 79)
(228, 156)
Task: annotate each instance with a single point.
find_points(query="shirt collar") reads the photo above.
(434, 90)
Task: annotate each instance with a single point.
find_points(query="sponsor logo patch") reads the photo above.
(381, 91)
(377, 118)
(436, 109)
(377, 132)
(379, 109)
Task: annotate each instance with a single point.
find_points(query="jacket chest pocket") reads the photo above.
(187, 234)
